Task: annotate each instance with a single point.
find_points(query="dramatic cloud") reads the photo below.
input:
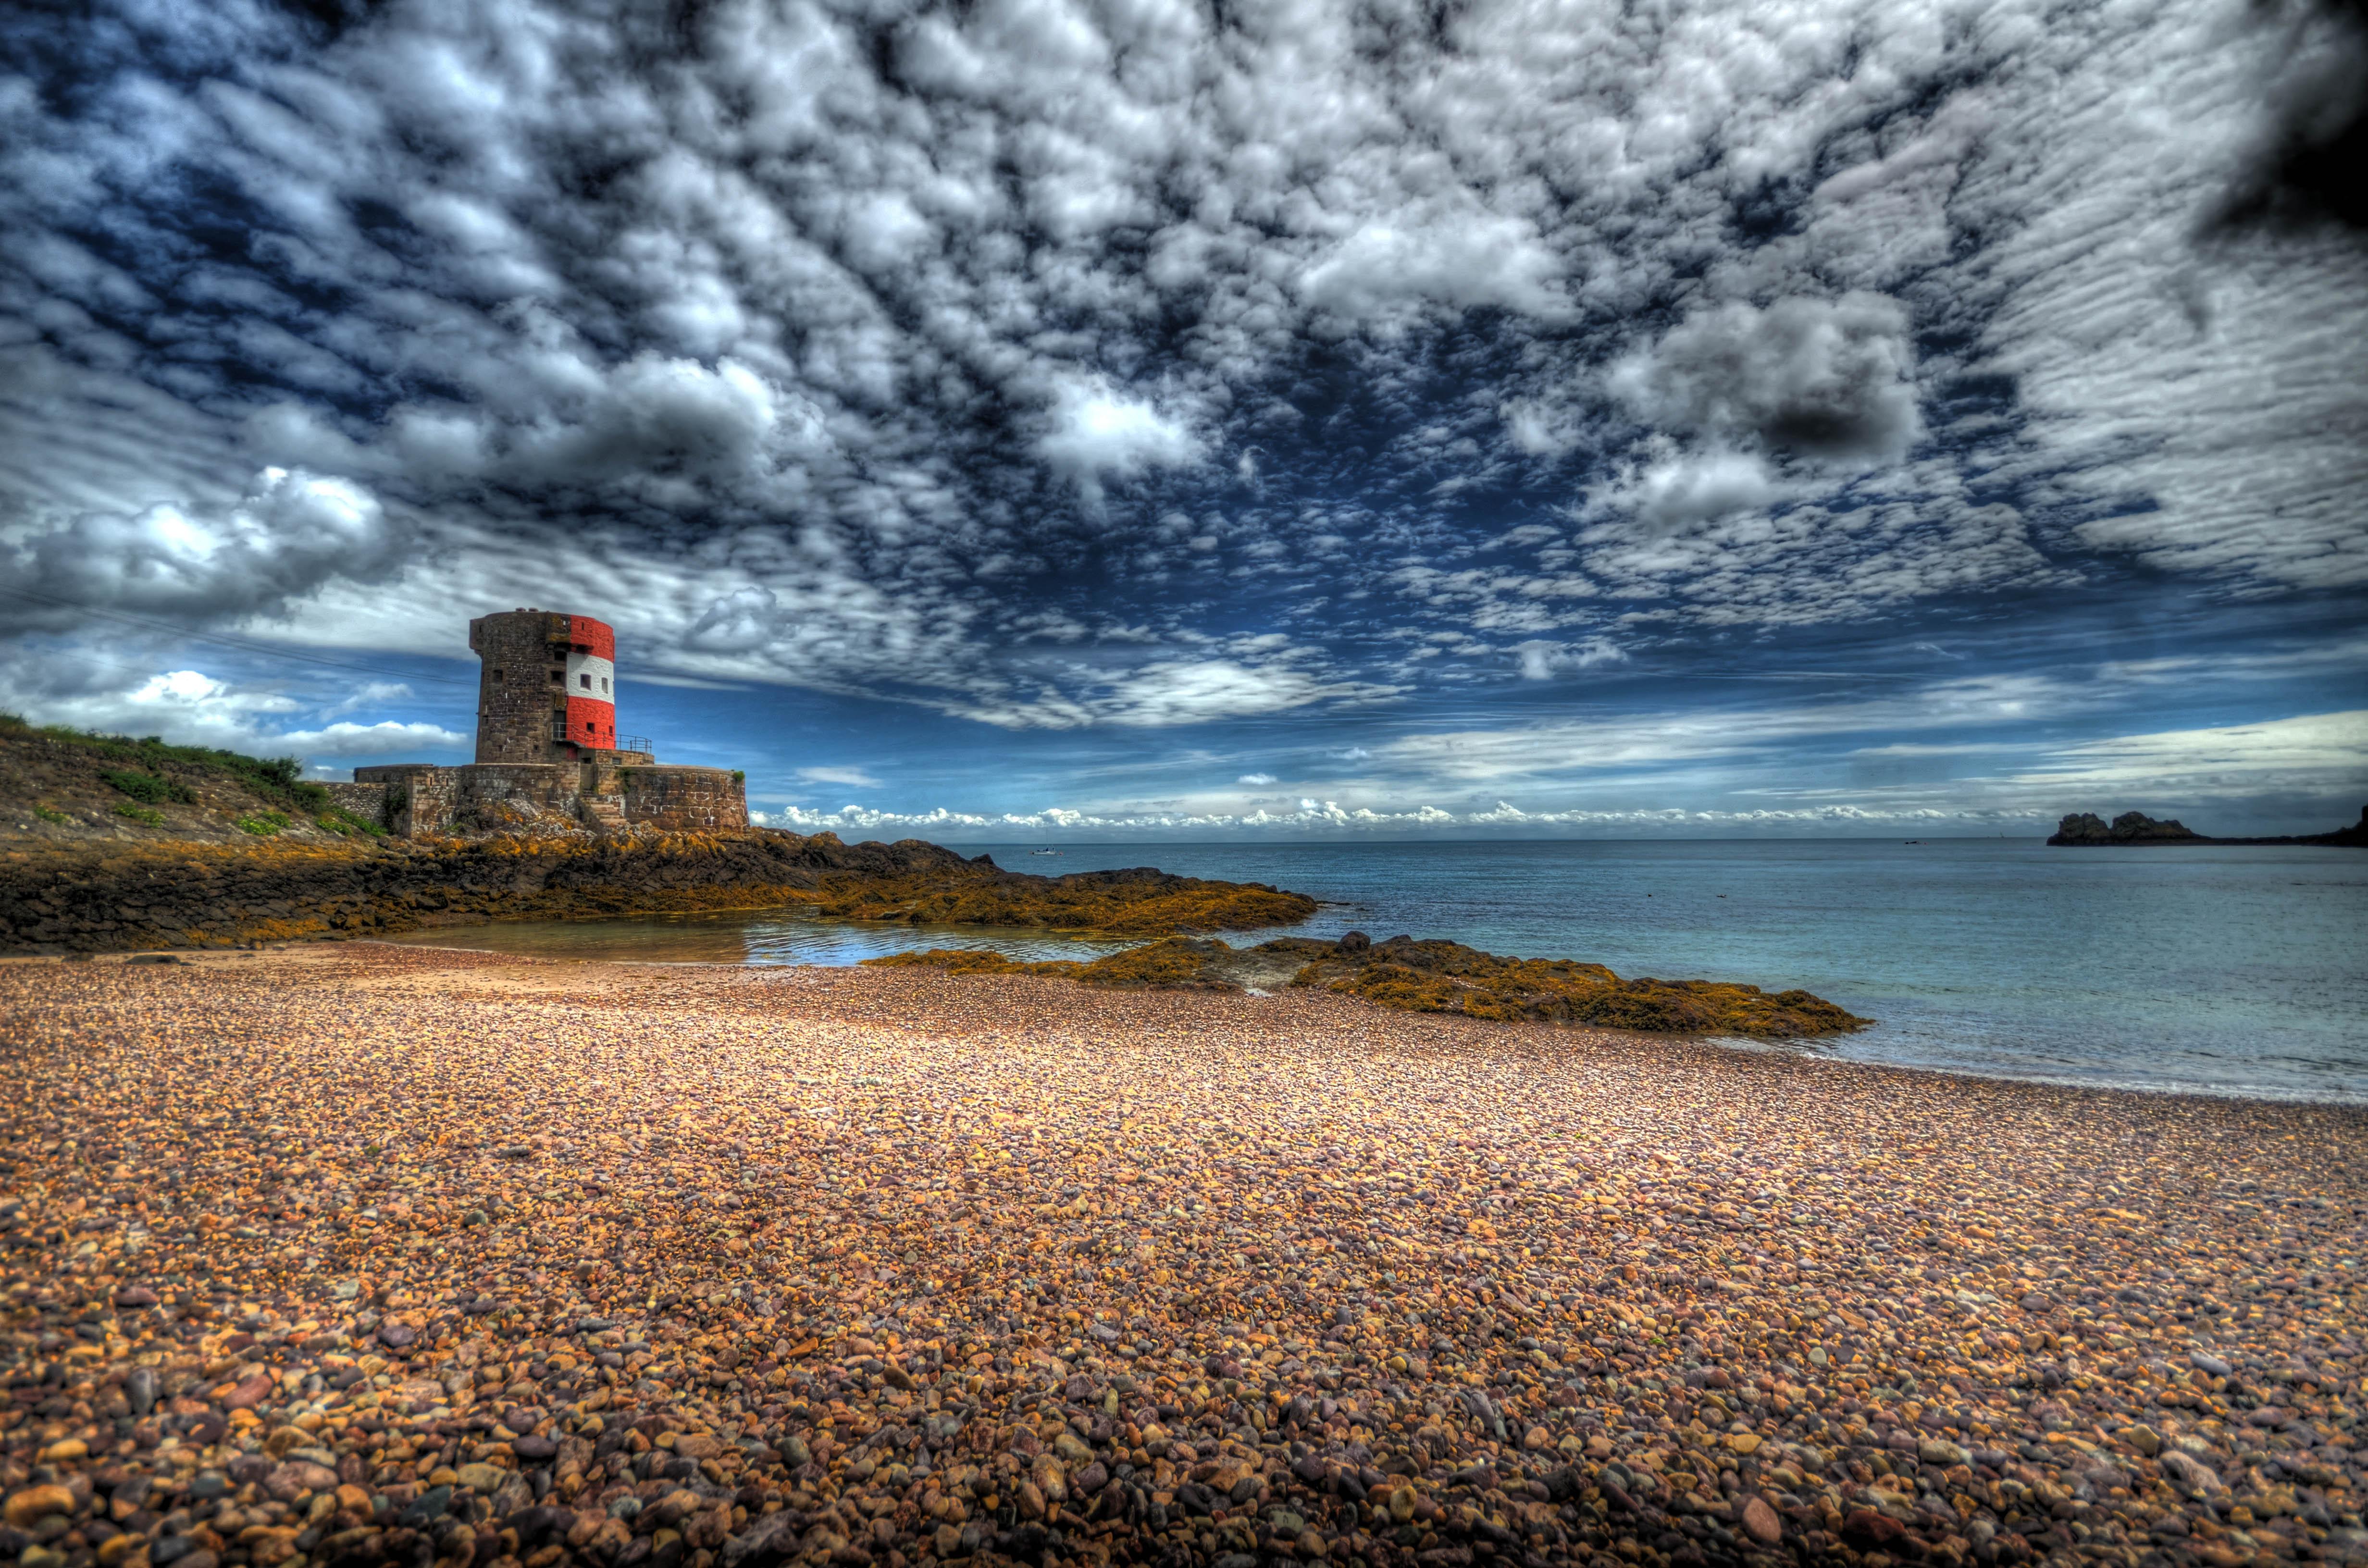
(289, 534)
(1026, 364)
(1821, 378)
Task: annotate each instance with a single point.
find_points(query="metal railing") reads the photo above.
(559, 732)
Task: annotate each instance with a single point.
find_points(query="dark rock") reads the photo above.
(2136, 827)
(2130, 827)
(766, 1540)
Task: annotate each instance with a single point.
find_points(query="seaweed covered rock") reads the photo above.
(1179, 963)
(1448, 977)
(1436, 977)
(1140, 901)
(105, 896)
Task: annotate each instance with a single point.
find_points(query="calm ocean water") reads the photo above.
(2223, 970)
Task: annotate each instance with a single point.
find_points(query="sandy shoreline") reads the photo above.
(548, 1262)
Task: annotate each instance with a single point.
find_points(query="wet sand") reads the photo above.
(364, 1254)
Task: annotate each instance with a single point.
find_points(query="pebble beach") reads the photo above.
(359, 1255)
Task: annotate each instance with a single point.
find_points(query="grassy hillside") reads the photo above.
(61, 787)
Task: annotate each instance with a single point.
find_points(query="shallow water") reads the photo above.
(745, 937)
(2235, 970)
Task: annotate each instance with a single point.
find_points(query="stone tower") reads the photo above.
(546, 686)
(547, 749)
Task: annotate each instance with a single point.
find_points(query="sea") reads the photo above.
(2227, 969)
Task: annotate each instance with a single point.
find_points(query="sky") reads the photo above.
(1029, 418)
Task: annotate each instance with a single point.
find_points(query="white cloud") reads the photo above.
(191, 708)
(1573, 747)
(1173, 691)
(386, 738)
(1541, 659)
(1458, 257)
(1255, 779)
(372, 694)
(2315, 754)
(854, 777)
(1095, 434)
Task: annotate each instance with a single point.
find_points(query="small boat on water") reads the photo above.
(1047, 851)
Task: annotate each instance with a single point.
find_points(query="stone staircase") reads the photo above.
(605, 812)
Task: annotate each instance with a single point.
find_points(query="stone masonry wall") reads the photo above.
(515, 686)
(418, 801)
(684, 798)
(488, 786)
(366, 801)
(419, 797)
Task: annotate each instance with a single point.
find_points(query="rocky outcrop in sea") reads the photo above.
(2084, 828)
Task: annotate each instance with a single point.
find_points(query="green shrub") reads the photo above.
(263, 825)
(48, 815)
(277, 779)
(344, 823)
(738, 777)
(141, 814)
(145, 787)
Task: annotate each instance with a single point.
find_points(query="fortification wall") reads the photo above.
(418, 801)
(485, 788)
(684, 798)
(366, 801)
(419, 797)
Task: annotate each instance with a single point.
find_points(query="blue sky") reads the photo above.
(1046, 418)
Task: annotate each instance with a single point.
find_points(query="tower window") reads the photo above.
(498, 677)
(559, 678)
(586, 681)
(587, 726)
(604, 683)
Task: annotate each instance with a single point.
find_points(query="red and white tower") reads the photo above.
(546, 691)
(590, 677)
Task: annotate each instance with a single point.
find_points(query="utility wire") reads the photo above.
(263, 650)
